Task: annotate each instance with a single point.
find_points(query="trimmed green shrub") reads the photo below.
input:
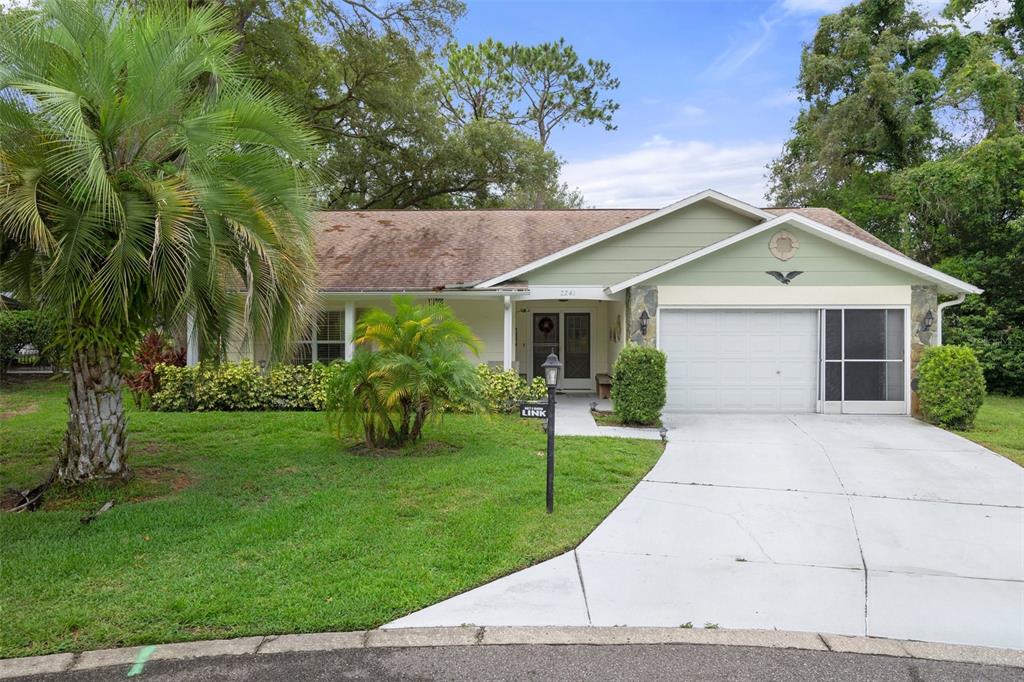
(231, 386)
(19, 328)
(638, 384)
(503, 390)
(297, 387)
(177, 388)
(537, 389)
(950, 386)
(237, 386)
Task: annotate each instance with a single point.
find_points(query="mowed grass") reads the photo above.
(255, 523)
(1000, 427)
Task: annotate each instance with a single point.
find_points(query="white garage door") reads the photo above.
(740, 360)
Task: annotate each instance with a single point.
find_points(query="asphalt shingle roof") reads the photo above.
(431, 250)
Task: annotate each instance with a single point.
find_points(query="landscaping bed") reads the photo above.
(251, 523)
(609, 418)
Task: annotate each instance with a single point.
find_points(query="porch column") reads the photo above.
(350, 329)
(509, 334)
(191, 341)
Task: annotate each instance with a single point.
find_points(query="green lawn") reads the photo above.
(1000, 427)
(254, 523)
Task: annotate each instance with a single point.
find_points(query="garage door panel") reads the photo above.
(728, 345)
(792, 343)
(761, 370)
(732, 373)
(740, 360)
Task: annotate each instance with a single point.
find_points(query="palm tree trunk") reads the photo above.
(94, 444)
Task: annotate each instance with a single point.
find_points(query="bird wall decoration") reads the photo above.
(784, 278)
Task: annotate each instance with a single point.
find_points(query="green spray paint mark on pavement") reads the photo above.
(140, 660)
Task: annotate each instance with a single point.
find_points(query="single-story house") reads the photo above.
(757, 309)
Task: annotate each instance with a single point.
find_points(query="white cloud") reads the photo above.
(662, 171)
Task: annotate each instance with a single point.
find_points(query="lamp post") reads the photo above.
(551, 367)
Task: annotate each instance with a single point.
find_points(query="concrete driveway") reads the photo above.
(879, 526)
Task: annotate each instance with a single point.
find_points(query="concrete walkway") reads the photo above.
(878, 526)
(573, 418)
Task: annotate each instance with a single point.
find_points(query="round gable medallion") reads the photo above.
(783, 245)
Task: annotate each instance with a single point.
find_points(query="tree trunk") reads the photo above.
(94, 444)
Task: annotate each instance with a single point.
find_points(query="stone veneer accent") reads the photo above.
(638, 299)
(922, 299)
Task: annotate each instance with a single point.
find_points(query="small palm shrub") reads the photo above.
(409, 367)
(950, 386)
(638, 384)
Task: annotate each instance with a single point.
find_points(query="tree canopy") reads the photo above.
(367, 77)
(914, 128)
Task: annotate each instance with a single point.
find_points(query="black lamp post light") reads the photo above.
(551, 367)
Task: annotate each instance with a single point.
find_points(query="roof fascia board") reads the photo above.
(859, 245)
(708, 194)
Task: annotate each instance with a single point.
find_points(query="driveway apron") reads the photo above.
(879, 526)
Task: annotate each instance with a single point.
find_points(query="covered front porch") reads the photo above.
(518, 329)
(585, 334)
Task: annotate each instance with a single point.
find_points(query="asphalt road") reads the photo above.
(549, 662)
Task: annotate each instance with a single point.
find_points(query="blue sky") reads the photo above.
(706, 98)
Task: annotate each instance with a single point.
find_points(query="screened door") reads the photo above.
(567, 335)
(576, 349)
(547, 334)
(864, 363)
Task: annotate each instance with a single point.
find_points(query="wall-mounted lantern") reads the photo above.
(928, 321)
(644, 321)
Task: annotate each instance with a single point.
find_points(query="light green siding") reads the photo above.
(823, 264)
(644, 247)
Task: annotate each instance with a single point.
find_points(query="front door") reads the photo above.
(567, 335)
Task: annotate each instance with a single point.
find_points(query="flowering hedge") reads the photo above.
(503, 390)
(231, 386)
(234, 386)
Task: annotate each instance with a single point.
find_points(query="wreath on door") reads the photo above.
(546, 325)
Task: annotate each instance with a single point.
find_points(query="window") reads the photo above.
(324, 342)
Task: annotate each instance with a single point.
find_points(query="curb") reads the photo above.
(495, 636)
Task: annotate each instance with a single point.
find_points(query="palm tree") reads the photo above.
(410, 366)
(143, 177)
